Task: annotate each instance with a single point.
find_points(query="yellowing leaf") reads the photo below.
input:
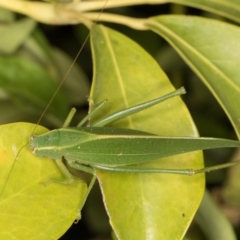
(31, 207)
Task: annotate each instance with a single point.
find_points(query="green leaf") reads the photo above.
(31, 87)
(210, 48)
(14, 34)
(226, 8)
(213, 221)
(77, 84)
(140, 206)
(31, 207)
(11, 113)
(6, 15)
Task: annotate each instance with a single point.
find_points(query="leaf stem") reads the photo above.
(135, 23)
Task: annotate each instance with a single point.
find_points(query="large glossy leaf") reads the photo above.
(210, 48)
(144, 206)
(30, 206)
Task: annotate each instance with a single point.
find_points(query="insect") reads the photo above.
(117, 149)
(112, 149)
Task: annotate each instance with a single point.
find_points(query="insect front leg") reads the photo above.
(68, 176)
(69, 179)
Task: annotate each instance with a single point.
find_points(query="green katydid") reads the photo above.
(84, 148)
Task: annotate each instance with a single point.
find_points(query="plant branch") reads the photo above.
(49, 13)
(135, 23)
(73, 13)
(96, 5)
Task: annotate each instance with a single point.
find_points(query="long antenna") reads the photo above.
(69, 69)
(53, 96)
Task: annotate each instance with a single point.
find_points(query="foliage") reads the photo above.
(139, 206)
